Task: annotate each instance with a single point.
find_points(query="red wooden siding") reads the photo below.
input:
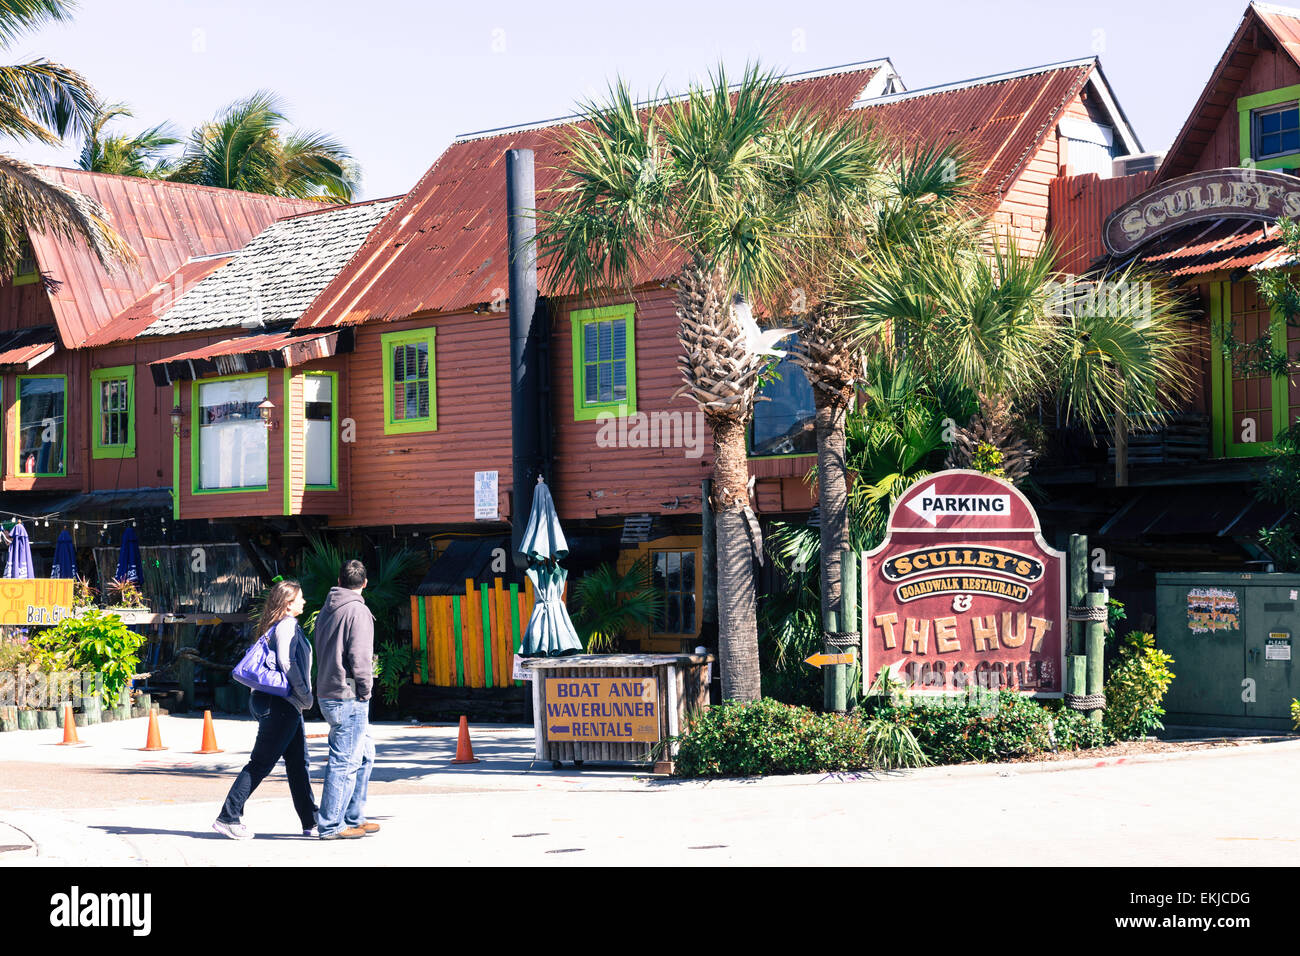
(428, 477)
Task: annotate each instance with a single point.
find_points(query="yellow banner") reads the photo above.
(35, 601)
(617, 709)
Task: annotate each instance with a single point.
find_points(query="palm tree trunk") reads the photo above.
(737, 623)
(832, 497)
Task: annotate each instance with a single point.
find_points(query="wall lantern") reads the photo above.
(177, 413)
(265, 409)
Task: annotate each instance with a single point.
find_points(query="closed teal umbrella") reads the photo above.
(550, 632)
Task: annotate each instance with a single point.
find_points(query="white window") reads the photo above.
(318, 428)
(232, 435)
(1090, 147)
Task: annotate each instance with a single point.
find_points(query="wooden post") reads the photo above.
(849, 615)
(1077, 569)
(1096, 646)
(1076, 675)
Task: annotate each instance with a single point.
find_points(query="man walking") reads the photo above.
(345, 645)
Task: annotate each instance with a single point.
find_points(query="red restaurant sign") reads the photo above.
(964, 592)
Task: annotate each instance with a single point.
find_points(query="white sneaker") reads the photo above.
(236, 831)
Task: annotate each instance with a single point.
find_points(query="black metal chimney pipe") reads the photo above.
(525, 373)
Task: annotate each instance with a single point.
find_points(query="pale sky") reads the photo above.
(396, 81)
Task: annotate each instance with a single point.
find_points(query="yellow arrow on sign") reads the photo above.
(826, 660)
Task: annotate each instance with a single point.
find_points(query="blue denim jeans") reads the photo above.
(279, 734)
(351, 758)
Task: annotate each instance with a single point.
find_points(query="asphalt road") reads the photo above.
(1230, 807)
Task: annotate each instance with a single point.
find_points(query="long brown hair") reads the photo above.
(276, 606)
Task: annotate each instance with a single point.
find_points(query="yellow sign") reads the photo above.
(35, 601)
(606, 709)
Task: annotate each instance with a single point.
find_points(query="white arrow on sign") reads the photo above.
(928, 505)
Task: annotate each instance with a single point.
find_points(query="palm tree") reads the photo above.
(43, 101)
(1007, 326)
(908, 198)
(123, 155)
(247, 147)
(723, 178)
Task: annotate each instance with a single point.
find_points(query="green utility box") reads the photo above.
(1232, 638)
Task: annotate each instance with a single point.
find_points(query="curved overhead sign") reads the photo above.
(1232, 193)
(963, 592)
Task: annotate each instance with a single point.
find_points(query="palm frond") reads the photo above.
(24, 16)
(31, 203)
(43, 101)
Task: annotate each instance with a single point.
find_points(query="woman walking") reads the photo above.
(280, 731)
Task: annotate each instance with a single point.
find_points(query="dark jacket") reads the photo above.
(293, 657)
(345, 647)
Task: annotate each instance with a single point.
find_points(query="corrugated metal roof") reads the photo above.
(999, 121)
(284, 349)
(1219, 94)
(167, 224)
(1201, 248)
(275, 277)
(1079, 205)
(23, 348)
(150, 307)
(443, 248)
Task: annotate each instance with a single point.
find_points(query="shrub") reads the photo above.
(94, 641)
(1138, 682)
(992, 726)
(395, 664)
(1295, 714)
(769, 737)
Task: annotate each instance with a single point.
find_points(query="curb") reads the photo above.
(1006, 769)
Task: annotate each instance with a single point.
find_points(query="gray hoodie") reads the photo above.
(345, 647)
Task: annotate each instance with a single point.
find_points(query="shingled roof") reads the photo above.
(273, 278)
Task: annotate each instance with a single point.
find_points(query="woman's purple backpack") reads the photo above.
(258, 671)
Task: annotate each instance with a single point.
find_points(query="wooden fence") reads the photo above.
(470, 639)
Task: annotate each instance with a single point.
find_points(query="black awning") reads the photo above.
(1204, 511)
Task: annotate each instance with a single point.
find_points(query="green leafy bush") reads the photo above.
(769, 737)
(94, 641)
(1137, 684)
(395, 664)
(991, 727)
(610, 604)
(1295, 714)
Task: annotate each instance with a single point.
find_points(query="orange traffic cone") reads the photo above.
(209, 745)
(154, 740)
(69, 727)
(464, 750)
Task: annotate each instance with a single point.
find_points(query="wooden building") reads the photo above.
(1181, 496)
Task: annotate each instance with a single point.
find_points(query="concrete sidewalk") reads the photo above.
(421, 755)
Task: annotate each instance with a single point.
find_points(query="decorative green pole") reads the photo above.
(1096, 647)
(829, 681)
(1078, 587)
(849, 623)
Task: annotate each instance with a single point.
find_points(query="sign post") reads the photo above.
(964, 593)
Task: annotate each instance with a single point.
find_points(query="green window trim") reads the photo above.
(1246, 107)
(18, 430)
(196, 467)
(389, 341)
(1223, 434)
(176, 454)
(334, 433)
(584, 411)
(286, 426)
(97, 378)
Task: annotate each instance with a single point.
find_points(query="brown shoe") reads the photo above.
(370, 827)
(351, 833)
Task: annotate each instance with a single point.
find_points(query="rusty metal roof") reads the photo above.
(1079, 205)
(1201, 248)
(443, 247)
(1280, 24)
(151, 307)
(247, 353)
(21, 349)
(1000, 120)
(167, 224)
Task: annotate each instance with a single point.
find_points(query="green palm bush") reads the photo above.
(610, 604)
